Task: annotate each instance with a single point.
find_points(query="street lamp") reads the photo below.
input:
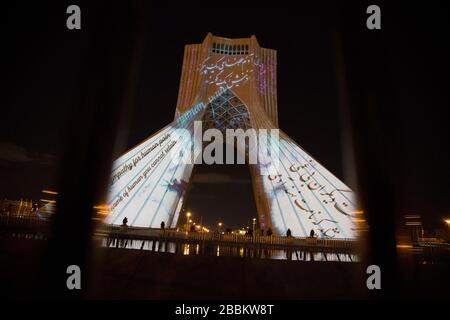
(188, 215)
(447, 221)
(254, 226)
(220, 226)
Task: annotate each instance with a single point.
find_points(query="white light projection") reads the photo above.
(148, 182)
(304, 196)
(148, 186)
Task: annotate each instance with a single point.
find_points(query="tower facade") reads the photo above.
(230, 84)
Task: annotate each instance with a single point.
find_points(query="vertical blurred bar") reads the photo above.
(103, 99)
(348, 149)
(370, 99)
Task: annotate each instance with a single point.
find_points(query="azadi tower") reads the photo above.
(230, 84)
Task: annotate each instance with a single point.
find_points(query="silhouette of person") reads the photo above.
(124, 228)
(163, 225)
(288, 232)
(311, 234)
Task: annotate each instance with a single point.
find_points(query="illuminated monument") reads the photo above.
(230, 83)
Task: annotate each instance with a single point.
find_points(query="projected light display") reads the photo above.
(231, 88)
(147, 182)
(304, 196)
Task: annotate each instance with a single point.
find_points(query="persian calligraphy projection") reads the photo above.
(230, 84)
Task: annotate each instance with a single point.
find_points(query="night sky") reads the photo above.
(42, 61)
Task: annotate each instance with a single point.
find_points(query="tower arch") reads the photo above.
(230, 84)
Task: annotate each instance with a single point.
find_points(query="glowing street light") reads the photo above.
(254, 226)
(220, 226)
(447, 221)
(188, 220)
(49, 192)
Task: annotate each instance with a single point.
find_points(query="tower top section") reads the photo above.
(239, 65)
(228, 46)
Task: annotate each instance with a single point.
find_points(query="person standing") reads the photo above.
(288, 233)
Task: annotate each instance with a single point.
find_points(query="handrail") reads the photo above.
(231, 238)
(171, 234)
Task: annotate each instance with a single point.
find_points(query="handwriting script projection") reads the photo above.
(229, 84)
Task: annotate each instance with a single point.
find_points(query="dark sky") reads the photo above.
(42, 62)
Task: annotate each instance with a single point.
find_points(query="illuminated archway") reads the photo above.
(230, 83)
